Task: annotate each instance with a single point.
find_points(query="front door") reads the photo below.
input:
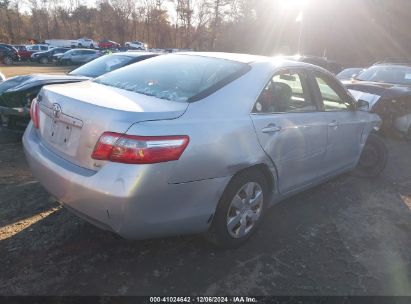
(291, 128)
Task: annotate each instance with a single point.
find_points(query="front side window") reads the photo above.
(182, 78)
(331, 99)
(285, 93)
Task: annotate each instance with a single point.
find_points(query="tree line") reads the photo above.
(351, 31)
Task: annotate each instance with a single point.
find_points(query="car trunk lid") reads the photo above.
(74, 116)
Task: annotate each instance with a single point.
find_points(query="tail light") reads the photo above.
(34, 113)
(131, 149)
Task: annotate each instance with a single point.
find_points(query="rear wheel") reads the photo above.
(240, 210)
(8, 60)
(44, 60)
(373, 157)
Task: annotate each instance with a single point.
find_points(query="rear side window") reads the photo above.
(177, 77)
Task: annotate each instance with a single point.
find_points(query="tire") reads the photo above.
(8, 60)
(373, 158)
(79, 45)
(234, 207)
(91, 46)
(44, 60)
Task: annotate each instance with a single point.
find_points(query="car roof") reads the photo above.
(399, 65)
(242, 58)
(136, 54)
(279, 61)
(83, 49)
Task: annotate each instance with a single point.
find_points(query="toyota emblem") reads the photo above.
(56, 110)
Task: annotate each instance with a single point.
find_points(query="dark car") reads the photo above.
(391, 83)
(108, 44)
(349, 73)
(8, 54)
(47, 56)
(16, 93)
(23, 52)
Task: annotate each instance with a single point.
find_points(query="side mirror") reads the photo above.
(363, 105)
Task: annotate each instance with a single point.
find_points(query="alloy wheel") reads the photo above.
(245, 210)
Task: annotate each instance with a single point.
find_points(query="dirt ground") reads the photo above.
(32, 68)
(350, 236)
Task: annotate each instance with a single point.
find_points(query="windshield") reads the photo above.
(349, 73)
(182, 78)
(387, 74)
(102, 65)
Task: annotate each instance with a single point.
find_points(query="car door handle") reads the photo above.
(271, 128)
(333, 124)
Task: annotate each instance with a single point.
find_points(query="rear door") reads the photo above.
(344, 124)
(291, 129)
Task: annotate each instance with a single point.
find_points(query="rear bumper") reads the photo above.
(134, 201)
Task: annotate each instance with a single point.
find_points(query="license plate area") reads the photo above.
(59, 133)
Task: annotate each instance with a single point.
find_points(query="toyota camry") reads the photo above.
(196, 143)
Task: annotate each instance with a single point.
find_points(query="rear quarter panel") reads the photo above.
(222, 137)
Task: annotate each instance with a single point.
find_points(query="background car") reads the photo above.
(196, 143)
(57, 57)
(108, 44)
(47, 56)
(22, 51)
(8, 54)
(17, 93)
(137, 45)
(79, 56)
(391, 83)
(86, 43)
(347, 74)
(38, 47)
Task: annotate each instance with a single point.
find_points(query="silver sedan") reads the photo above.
(195, 143)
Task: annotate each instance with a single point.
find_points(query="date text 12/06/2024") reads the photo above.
(203, 300)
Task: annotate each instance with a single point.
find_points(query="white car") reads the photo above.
(2, 77)
(86, 43)
(38, 47)
(138, 45)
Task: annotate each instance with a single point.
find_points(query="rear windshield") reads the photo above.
(176, 77)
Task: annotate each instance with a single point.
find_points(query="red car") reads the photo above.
(23, 52)
(108, 44)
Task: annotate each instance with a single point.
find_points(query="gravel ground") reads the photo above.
(349, 236)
